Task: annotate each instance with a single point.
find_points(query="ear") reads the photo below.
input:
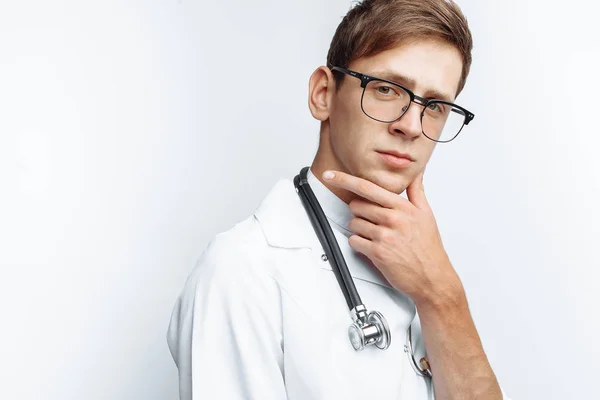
(321, 88)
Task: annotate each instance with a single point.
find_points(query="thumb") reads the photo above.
(416, 191)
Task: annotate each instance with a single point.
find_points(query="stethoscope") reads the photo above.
(368, 328)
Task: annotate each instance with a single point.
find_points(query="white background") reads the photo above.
(132, 132)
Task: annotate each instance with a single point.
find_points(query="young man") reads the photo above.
(262, 315)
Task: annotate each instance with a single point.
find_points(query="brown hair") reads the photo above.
(373, 26)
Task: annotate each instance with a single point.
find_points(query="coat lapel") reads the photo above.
(285, 224)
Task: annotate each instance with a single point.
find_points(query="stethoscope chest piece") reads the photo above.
(373, 331)
(368, 328)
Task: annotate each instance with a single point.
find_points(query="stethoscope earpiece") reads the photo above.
(423, 368)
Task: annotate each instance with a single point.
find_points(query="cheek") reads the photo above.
(344, 144)
(352, 140)
(348, 133)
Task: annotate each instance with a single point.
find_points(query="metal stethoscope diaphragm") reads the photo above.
(368, 328)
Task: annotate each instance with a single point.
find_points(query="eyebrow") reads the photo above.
(411, 83)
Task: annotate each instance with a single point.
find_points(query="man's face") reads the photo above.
(357, 140)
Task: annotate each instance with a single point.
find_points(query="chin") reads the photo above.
(392, 181)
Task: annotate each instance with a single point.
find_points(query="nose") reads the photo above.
(410, 123)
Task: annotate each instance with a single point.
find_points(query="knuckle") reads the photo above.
(385, 236)
(377, 253)
(395, 219)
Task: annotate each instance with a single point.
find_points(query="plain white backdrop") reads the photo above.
(132, 132)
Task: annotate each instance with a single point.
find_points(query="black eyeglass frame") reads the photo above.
(365, 79)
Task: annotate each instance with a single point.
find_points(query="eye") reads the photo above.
(387, 90)
(436, 108)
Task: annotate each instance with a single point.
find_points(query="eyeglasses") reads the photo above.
(387, 101)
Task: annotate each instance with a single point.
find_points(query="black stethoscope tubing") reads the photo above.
(326, 237)
(368, 328)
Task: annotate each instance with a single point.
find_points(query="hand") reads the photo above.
(400, 237)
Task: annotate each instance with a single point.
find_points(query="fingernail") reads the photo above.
(328, 175)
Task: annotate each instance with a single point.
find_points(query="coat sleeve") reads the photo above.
(225, 333)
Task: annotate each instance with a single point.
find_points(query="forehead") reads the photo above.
(430, 68)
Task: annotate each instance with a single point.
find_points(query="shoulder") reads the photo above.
(232, 264)
(227, 292)
(229, 275)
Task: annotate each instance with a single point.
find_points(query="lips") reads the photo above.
(396, 161)
(397, 154)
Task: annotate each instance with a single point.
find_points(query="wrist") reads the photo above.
(447, 295)
(442, 302)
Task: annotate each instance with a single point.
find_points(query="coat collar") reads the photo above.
(285, 224)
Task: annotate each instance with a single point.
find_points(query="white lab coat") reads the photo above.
(262, 317)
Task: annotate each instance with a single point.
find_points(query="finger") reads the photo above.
(416, 192)
(362, 245)
(370, 211)
(364, 228)
(363, 188)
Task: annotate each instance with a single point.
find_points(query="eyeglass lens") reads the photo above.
(387, 103)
